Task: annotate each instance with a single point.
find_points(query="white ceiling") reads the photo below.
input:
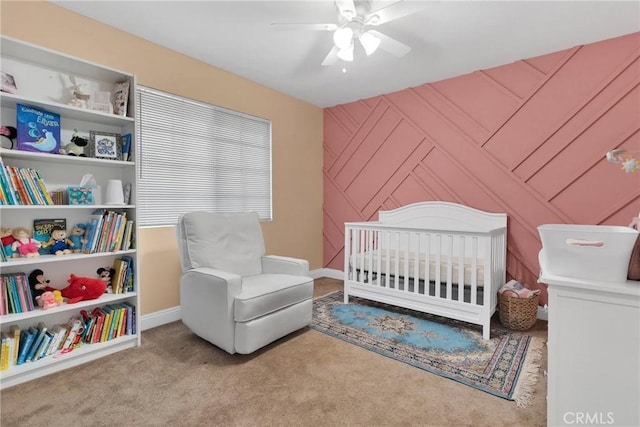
(448, 38)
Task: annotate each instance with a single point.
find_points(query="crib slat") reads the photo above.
(437, 264)
(416, 270)
(450, 267)
(405, 274)
(396, 251)
(474, 270)
(388, 259)
(461, 269)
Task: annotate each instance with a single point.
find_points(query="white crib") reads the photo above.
(436, 257)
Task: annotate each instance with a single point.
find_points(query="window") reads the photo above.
(196, 156)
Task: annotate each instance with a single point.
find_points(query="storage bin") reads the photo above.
(592, 252)
(517, 313)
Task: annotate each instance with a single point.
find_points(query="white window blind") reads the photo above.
(196, 156)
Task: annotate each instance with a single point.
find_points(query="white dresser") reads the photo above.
(593, 352)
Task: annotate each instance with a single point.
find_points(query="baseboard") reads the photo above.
(327, 272)
(543, 313)
(159, 318)
(173, 314)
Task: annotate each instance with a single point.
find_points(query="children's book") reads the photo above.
(38, 130)
(42, 231)
(26, 341)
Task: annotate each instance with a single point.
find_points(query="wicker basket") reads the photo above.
(517, 313)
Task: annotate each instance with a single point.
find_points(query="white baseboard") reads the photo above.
(173, 314)
(159, 318)
(327, 272)
(543, 313)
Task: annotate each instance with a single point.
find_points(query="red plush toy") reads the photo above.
(82, 288)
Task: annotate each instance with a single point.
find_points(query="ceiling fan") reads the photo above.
(355, 19)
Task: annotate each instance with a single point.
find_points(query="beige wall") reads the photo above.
(297, 132)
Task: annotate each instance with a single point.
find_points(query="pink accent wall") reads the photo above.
(527, 138)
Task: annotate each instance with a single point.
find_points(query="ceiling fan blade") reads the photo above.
(347, 8)
(394, 11)
(331, 58)
(312, 27)
(390, 45)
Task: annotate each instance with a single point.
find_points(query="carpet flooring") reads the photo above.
(305, 379)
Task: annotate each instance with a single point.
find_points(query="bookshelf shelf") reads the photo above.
(37, 313)
(51, 364)
(61, 159)
(10, 101)
(43, 81)
(45, 259)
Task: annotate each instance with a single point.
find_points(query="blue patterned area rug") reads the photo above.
(507, 365)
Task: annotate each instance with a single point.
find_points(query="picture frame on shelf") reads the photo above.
(105, 145)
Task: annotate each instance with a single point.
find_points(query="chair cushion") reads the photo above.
(266, 293)
(227, 242)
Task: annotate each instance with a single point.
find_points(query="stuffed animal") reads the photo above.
(77, 237)
(82, 289)
(48, 299)
(76, 147)
(106, 275)
(59, 242)
(24, 243)
(7, 242)
(38, 283)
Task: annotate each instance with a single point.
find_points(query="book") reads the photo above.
(26, 341)
(41, 333)
(42, 231)
(126, 147)
(38, 130)
(14, 330)
(75, 328)
(5, 351)
(60, 333)
(44, 345)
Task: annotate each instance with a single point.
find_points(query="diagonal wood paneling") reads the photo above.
(526, 138)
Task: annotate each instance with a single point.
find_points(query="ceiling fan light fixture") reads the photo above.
(346, 54)
(342, 37)
(369, 42)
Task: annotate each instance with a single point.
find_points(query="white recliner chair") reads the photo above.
(231, 294)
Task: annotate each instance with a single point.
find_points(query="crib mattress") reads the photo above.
(371, 257)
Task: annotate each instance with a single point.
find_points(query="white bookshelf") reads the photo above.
(42, 78)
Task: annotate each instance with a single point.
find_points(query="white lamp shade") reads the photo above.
(369, 42)
(346, 54)
(115, 194)
(342, 37)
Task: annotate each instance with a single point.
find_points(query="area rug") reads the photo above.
(506, 366)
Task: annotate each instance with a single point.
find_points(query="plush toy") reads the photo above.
(38, 283)
(82, 289)
(48, 299)
(77, 145)
(106, 275)
(77, 237)
(24, 243)
(7, 242)
(59, 242)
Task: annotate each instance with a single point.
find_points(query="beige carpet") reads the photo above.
(305, 379)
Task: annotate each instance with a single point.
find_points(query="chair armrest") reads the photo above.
(207, 298)
(229, 283)
(285, 265)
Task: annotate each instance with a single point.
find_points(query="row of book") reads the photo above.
(38, 342)
(15, 295)
(108, 231)
(22, 186)
(123, 279)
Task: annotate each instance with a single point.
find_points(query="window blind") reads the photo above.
(196, 156)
